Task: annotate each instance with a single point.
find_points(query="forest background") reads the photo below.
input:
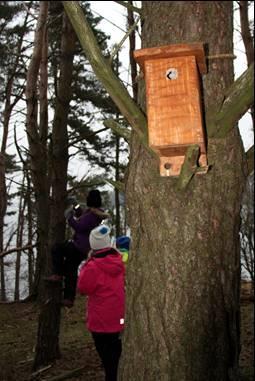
(95, 155)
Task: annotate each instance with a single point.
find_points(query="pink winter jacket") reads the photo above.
(102, 279)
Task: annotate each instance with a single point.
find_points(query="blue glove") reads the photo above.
(69, 213)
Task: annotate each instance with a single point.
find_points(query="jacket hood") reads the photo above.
(109, 261)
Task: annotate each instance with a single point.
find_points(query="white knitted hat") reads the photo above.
(99, 237)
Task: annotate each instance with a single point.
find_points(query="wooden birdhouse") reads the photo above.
(173, 101)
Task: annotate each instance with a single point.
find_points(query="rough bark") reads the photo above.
(182, 319)
(47, 346)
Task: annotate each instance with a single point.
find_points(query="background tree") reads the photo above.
(247, 37)
(247, 230)
(247, 211)
(37, 132)
(184, 273)
(12, 36)
(53, 157)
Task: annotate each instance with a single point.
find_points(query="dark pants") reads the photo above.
(66, 259)
(108, 346)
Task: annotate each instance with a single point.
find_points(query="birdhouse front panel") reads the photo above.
(173, 103)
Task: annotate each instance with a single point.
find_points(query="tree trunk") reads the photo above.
(246, 32)
(31, 262)
(8, 107)
(182, 319)
(116, 191)
(247, 38)
(37, 139)
(3, 205)
(132, 45)
(47, 346)
(19, 242)
(47, 349)
(59, 159)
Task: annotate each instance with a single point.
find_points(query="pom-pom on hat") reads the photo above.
(123, 242)
(99, 237)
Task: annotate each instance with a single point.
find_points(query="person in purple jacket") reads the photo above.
(67, 256)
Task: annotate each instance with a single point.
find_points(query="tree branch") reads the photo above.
(129, 6)
(237, 102)
(189, 167)
(120, 44)
(118, 129)
(119, 185)
(16, 249)
(246, 32)
(103, 71)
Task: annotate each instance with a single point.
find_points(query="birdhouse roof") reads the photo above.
(175, 50)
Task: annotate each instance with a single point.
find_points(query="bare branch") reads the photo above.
(16, 249)
(118, 129)
(116, 184)
(189, 167)
(104, 72)
(120, 44)
(129, 6)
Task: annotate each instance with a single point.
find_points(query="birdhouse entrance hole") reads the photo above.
(173, 102)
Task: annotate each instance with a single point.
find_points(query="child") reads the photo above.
(122, 244)
(102, 279)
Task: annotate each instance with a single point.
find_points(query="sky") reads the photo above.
(114, 24)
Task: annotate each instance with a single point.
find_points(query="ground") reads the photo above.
(18, 325)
